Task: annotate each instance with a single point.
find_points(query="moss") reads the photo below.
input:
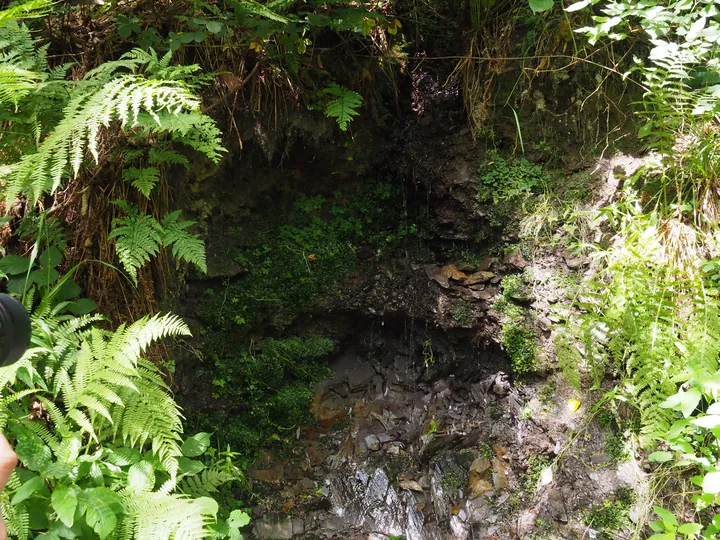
(269, 391)
(294, 255)
(486, 450)
(547, 391)
(452, 481)
(291, 263)
(514, 286)
(518, 340)
(516, 335)
(616, 447)
(463, 314)
(605, 418)
(529, 482)
(611, 515)
(531, 478)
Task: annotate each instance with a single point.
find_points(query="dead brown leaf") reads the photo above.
(411, 485)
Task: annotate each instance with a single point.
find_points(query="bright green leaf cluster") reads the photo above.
(106, 457)
(139, 237)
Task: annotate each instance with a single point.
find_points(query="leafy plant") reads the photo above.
(611, 515)
(275, 386)
(668, 527)
(38, 277)
(31, 279)
(639, 322)
(503, 180)
(144, 180)
(343, 106)
(99, 438)
(518, 340)
(463, 314)
(299, 259)
(517, 337)
(139, 238)
(139, 92)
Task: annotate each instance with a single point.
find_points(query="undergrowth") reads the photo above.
(517, 335)
(509, 183)
(611, 516)
(292, 266)
(294, 262)
(263, 395)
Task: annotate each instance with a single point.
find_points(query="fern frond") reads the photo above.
(138, 238)
(25, 10)
(15, 83)
(150, 415)
(186, 246)
(345, 105)
(144, 180)
(130, 342)
(17, 519)
(251, 7)
(207, 482)
(157, 516)
(115, 92)
(198, 131)
(172, 157)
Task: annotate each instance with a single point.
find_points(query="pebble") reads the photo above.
(372, 442)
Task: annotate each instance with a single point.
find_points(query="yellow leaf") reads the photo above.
(574, 404)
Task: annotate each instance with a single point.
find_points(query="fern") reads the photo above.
(95, 383)
(144, 180)
(139, 238)
(645, 320)
(165, 156)
(164, 517)
(158, 101)
(15, 83)
(345, 105)
(206, 483)
(196, 130)
(17, 517)
(569, 358)
(250, 7)
(184, 245)
(25, 10)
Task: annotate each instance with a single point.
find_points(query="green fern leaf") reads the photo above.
(158, 516)
(198, 131)
(144, 180)
(25, 10)
(138, 238)
(345, 105)
(207, 483)
(17, 520)
(186, 246)
(251, 7)
(165, 156)
(116, 93)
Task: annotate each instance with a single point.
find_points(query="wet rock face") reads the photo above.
(392, 450)
(396, 452)
(422, 433)
(367, 502)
